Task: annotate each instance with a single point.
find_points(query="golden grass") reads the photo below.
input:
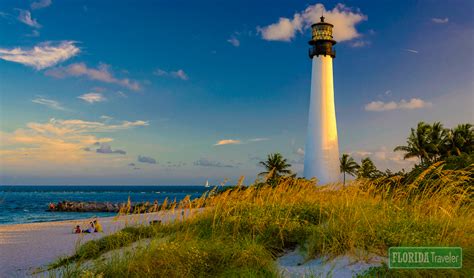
(434, 210)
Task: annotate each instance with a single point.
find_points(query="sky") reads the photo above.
(180, 92)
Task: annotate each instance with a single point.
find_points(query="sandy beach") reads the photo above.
(25, 248)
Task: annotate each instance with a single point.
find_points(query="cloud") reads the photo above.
(227, 142)
(360, 153)
(414, 103)
(106, 118)
(179, 74)
(300, 151)
(102, 73)
(178, 164)
(40, 4)
(234, 41)
(411, 50)
(440, 20)
(360, 43)
(121, 94)
(34, 34)
(260, 139)
(62, 146)
(92, 97)
(41, 56)
(343, 18)
(384, 158)
(69, 127)
(107, 149)
(49, 103)
(146, 159)
(203, 162)
(25, 17)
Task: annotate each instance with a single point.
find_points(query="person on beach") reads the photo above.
(98, 226)
(77, 230)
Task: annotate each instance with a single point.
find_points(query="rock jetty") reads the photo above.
(79, 206)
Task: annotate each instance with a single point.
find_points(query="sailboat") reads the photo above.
(207, 184)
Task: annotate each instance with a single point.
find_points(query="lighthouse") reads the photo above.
(322, 149)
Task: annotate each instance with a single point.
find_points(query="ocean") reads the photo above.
(28, 204)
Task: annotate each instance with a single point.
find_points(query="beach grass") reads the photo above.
(240, 232)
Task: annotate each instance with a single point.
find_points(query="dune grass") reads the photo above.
(240, 232)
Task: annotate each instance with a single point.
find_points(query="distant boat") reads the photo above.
(207, 184)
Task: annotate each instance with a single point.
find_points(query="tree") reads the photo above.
(460, 140)
(275, 166)
(347, 165)
(436, 143)
(417, 143)
(432, 143)
(367, 169)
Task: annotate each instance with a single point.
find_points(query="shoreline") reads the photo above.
(27, 247)
(59, 220)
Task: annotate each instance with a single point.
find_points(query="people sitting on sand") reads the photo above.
(77, 230)
(98, 226)
(90, 229)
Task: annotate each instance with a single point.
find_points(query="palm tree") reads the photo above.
(431, 143)
(437, 141)
(460, 140)
(367, 169)
(276, 166)
(417, 143)
(347, 165)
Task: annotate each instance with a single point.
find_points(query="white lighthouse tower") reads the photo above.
(322, 149)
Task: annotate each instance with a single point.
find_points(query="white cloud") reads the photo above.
(40, 4)
(41, 56)
(60, 143)
(63, 127)
(234, 41)
(284, 30)
(25, 17)
(49, 103)
(33, 34)
(300, 151)
(360, 153)
(106, 118)
(121, 94)
(411, 50)
(92, 97)
(179, 74)
(384, 158)
(360, 43)
(440, 20)
(227, 142)
(259, 139)
(102, 73)
(204, 162)
(343, 18)
(414, 103)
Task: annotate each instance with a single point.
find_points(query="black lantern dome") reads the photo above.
(322, 41)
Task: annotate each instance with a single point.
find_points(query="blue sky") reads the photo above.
(177, 92)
